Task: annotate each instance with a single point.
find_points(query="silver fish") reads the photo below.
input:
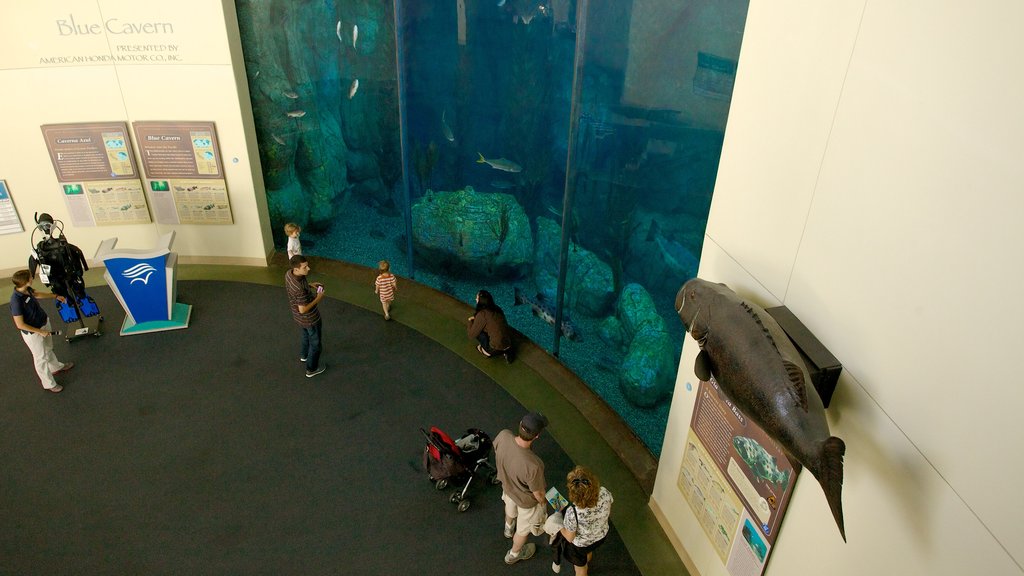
(296, 113)
(447, 130)
(277, 139)
(337, 30)
(355, 34)
(352, 90)
(502, 164)
(290, 94)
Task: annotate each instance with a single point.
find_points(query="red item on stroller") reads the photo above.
(450, 461)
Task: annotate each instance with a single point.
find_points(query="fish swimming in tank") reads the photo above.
(290, 94)
(448, 134)
(296, 113)
(761, 463)
(544, 309)
(352, 89)
(525, 10)
(337, 31)
(355, 34)
(503, 164)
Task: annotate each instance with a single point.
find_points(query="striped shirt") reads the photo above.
(299, 292)
(386, 284)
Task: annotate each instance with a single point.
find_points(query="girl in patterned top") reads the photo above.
(385, 286)
(585, 524)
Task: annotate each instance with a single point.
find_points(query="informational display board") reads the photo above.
(10, 222)
(96, 170)
(184, 172)
(737, 480)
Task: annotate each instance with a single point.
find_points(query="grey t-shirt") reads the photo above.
(520, 470)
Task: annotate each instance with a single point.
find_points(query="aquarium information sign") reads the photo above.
(96, 171)
(184, 172)
(10, 223)
(737, 481)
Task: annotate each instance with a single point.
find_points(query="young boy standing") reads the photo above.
(293, 230)
(34, 325)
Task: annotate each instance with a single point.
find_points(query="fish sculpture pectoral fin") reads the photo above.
(798, 386)
(702, 367)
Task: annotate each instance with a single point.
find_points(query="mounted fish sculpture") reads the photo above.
(760, 370)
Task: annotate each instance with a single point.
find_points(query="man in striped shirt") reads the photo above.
(303, 298)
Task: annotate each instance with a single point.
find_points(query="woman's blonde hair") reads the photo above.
(584, 487)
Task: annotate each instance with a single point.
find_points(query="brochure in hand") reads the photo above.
(556, 499)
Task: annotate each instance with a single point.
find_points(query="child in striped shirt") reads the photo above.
(385, 286)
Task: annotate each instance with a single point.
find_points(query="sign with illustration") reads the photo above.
(737, 481)
(10, 223)
(184, 172)
(95, 167)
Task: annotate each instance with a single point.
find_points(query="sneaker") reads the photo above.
(510, 530)
(556, 567)
(56, 388)
(320, 370)
(526, 553)
(67, 366)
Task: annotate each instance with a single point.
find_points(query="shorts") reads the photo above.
(527, 519)
(572, 553)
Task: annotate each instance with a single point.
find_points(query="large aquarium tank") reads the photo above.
(559, 153)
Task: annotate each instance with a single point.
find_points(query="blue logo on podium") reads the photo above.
(143, 286)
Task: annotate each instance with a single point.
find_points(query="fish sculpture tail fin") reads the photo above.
(482, 160)
(832, 479)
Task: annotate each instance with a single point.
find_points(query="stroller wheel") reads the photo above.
(464, 505)
(455, 498)
(441, 484)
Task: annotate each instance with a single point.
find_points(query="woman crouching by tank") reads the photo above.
(489, 327)
(584, 521)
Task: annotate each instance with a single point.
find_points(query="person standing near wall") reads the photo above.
(303, 298)
(34, 325)
(521, 473)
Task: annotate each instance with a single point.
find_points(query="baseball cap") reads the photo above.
(534, 422)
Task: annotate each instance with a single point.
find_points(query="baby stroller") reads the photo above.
(450, 461)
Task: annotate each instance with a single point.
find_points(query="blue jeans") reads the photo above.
(311, 346)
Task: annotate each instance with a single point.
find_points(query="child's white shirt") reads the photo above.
(294, 246)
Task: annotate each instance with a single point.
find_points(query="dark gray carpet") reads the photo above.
(207, 451)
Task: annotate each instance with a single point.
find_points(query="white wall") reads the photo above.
(208, 84)
(871, 182)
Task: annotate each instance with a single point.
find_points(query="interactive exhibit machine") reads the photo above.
(60, 266)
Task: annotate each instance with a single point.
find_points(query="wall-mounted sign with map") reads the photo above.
(737, 480)
(184, 173)
(95, 168)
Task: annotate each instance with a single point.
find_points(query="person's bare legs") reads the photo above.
(582, 570)
(518, 540)
(387, 310)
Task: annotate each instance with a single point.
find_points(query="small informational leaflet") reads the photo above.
(95, 168)
(10, 223)
(184, 173)
(737, 480)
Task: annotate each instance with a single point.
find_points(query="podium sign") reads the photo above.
(144, 281)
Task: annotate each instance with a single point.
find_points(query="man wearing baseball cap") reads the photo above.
(522, 485)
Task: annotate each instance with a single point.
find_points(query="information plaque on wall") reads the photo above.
(10, 222)
(184, 173)
(96, 171)
(737, 480)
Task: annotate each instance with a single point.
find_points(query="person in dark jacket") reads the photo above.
(489, 327)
